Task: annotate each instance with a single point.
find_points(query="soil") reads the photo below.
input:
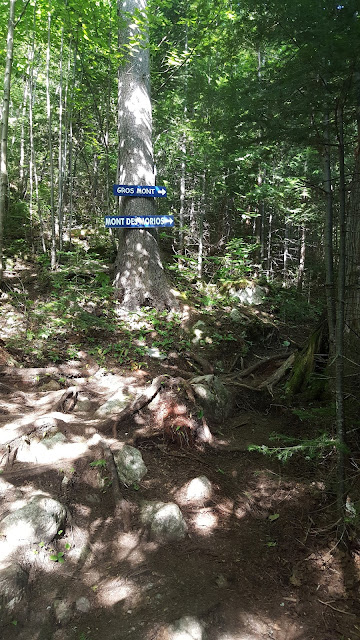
(261, 558)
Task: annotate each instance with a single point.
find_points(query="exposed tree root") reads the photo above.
(122, 506)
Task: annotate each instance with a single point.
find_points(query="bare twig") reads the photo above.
(328, 604)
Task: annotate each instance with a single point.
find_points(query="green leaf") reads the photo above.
(275, 516)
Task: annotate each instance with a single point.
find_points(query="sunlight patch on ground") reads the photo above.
(205, 521)
(129, 548)
(113, 591)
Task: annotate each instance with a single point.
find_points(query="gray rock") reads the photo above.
(236, 316)
(37, 521)
(199, 330)
(84, 404)
(250, 295)
(13, 583)
(52, 385)
(153, 352)
(213, 396)
(164, 520)
(62, 611)
(115, 404)
(130, 465)
(199, 490)
(187, 628)
(83, 605)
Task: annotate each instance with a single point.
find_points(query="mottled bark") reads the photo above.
(140, 278)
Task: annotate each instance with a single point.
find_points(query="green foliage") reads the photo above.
(98, 463)
(290, 306)
(309, 448)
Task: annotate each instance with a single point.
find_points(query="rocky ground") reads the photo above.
(131, 508)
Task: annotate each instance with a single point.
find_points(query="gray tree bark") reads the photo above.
(139, 275)
(4, 127)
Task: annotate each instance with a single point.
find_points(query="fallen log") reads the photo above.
(270, 382)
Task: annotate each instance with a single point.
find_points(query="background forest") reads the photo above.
(256, 136)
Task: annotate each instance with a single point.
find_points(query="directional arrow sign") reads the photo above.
(139, 191)
(139, 222)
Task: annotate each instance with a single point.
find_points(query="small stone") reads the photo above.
(83, 605)
(130, 465)
(165, 521)
(52, 385)
(199, 490)
(115, 404)
(186, 628)
(62, 611)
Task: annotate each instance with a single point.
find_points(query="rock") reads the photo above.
(236, 316)
(13, 583)
(213, 396)
(153, 352)
(37, 521)
(115, 404)
(130, 465)
(198, 490)
(186, 628)
(83, 404)
(165, 521)
(62, 611)
(199, 331)
(250, 295)
(83, 605)
(52, 385)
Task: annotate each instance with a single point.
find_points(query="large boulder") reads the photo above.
(213, 396)
(37, 521)
(13, 583)
(164, 520)
(252, 294)
(130, 465)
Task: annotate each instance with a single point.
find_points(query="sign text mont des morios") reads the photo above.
(138, 191)
(139, 222)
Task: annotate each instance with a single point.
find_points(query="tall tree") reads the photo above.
(140, 278)
(4, 126)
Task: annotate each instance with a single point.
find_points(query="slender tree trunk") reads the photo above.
(5, 126)
(302, 252)
(140, 279)
(51, 159)
(269, 247)
(22, 179)
(201, 229)
(340, 325)
(60, 158)
(328, 236)
(286, 254)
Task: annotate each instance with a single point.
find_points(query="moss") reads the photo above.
(302, 378)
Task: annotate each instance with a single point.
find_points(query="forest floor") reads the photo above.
(260, 559)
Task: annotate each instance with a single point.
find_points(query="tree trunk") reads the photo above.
(51, 159)
(328, 236)
(139, 275)
(302, 252)
(4, 127)
(340, 326)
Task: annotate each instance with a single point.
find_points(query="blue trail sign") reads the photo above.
(139, 222)
(139, 191)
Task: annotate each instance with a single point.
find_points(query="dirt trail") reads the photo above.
(254, 565)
